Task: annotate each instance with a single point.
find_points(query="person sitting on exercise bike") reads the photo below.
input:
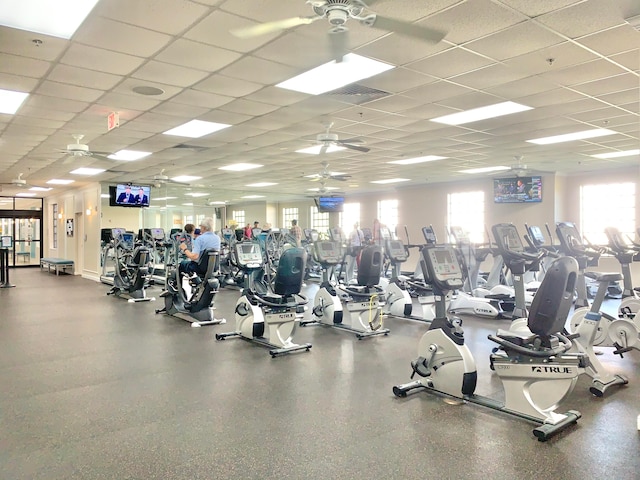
(207, 240)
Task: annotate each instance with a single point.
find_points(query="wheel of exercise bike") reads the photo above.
(619, 329)
(577, 317)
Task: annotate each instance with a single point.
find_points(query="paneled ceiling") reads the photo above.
(576, 63)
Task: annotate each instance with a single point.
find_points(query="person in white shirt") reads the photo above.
(356, 242)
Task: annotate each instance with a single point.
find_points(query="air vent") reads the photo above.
(195, 148)
(357, 94)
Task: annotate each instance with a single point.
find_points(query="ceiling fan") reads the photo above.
(325, 175)
(78, 149)
(161, 179)
(520, 169)
(338, 12)
(324, 190)
(18, 182)
(327, 140)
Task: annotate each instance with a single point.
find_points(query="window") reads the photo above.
(607, 205)
(289, 214)
(466, 210)
(349, 216)
(54, 224)
(319, 221)
(388, 213)
(239, 217)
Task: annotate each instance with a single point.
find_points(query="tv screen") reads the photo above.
(129, 195)
(330, 204)
(517, 190)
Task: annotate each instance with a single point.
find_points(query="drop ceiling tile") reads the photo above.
(118, 101)
(397, 80)
(584, 72)
(470, 100)
(31, 111)
(229, 118)
(169, 74)
(215, 30)
(629, 59)
(582, 18)
(201, 99)
(489, 76)
(277, 96)
(111, 35)
(556, 57)
(197, 55)
(20, 42)
(17, 83)
(551, 97)
(296, 50)
(110, 62)
(612, 41)
(187, 112)
(621, 98)
(267, 10)
(230, 87)
(433, 92)
(167, 16)
(539, 7)
(451, 62)
(83, 77)
(521, 88)
(248, 107)
(52, 103)
(270, 72)
(393, 103)
(23, 66)
(63, 90)
(400, 50)
(127, 86)
(608, 85)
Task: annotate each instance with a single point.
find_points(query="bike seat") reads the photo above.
(604, 277)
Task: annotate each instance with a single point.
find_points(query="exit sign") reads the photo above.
(113, 121)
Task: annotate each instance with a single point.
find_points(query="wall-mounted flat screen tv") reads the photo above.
(330, 204)
(517, 189)
(129, 195)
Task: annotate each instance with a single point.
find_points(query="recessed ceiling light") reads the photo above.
(58, 19)
(261, 184)
(253, 196)
(196, 129)
(87, 171)
(147, 90)
(239, 167)
(128, 155)
(105, 195)
(25, 194)
(482, 113)
(499, 168)
(391, 180)
(40, 189)
(568, 137)
(185, 178)
(196, 194)
(315, 150)
(334, 75)
(626, 153)
(58, 181)
(10, 101)
(411, 161)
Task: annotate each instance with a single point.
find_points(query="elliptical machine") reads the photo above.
(625, 254)
(397, 299)
(132, 273)
(355, 308)
(269, 317)
(535, 371)
(197, 307)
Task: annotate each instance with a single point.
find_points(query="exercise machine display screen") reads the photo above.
(157, 233)
(536, 235)
(570, 237)
(460, 235)
(117, 233)
(444, 265)
(328, 252)
(429, 235)
(127, 241)
(249, 255)
(508, 239)
(396, 251)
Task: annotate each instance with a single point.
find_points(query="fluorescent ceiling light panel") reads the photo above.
(390, 180)
(318, 189)
(10, 101)
(188, 204)
(58, 18)
(482, 113)
(411, 161)
(253, 196)
(59, 181)
(315, 150)
(25, 194)
(498, 168)
(88, 171)
(40, 189)
(157, 199)
(261, 184)
(196, 129)
(334, 75)
(185, 178)
(626, 153)
(317, 175)
(128, 155)
(197, 194)
(105, 195)
(240, 167)
(217, 203)
(569, 137)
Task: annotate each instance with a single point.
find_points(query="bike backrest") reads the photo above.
(370, 267)
(290, 272)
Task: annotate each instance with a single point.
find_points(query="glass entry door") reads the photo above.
(6, 230)
(27, 242)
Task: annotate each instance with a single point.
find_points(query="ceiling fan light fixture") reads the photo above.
(482, 113)
(332, 75)
(10, 101)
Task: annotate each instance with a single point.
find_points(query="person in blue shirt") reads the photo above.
(205, 241)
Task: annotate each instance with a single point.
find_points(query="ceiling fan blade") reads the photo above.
(324, 148)
(352, 140)
(270, 27)
(354, 147)
(404, 28)
(340, 178)
(338, 43)
(68, 160)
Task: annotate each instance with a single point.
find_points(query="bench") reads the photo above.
(25, 255)
(57, 263)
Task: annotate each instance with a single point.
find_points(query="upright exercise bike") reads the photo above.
(535, 370)
(397, 302)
